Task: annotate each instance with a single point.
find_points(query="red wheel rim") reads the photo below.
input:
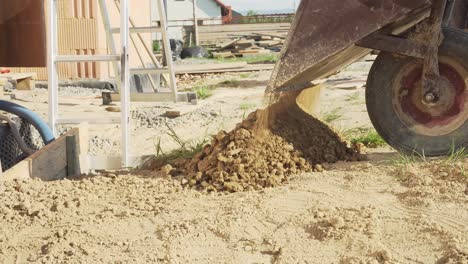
(449, 113)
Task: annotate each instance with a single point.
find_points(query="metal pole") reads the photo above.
(195, 22)
(125, 80)
(150, 53)
(52, 66)
(109, 36)
(167, 47)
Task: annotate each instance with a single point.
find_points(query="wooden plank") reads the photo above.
(223, 55)
(220, 33)
(270, 35)
(19, 76)
(50, 162)
(72, 166)
(254, 51)
(243, 27)
(268, 43)
(248, 68)
(245, 42)
(26, 84)
(180, 69)
(213, 38)
(227, 44)
(23, 81)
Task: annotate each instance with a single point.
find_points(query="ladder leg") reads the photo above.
(52, 67)
(125, 81)
(167, 48)
(132, 39)
(110, 37)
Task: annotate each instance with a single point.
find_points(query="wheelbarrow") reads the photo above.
(416, 92)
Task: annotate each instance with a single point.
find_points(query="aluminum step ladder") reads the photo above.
(121, 66)
(166, 72)
(124, 82)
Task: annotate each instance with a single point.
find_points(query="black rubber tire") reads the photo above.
(385, 119)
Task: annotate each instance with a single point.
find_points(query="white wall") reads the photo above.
(183, 10)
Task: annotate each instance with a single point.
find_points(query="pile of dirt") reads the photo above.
(259, 154)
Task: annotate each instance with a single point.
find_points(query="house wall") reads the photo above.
(81, 32)
(77, 32)
(180, 14)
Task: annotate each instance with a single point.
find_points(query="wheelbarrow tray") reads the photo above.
(323, 35)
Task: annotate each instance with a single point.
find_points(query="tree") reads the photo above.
(252, 13)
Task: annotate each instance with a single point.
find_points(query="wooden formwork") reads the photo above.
(66, 156)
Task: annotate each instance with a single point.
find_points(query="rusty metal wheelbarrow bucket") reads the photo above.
(324, 33)
(417, 89)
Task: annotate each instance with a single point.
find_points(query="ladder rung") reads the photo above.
(149, 70)
(86, 58)
(103, 121)
(138, 30)
(157, 97)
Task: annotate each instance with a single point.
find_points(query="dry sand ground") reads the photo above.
(354, 213)
(385, 210)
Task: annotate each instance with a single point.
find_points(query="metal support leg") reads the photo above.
(125, 81)
(110, 38)
(52, 67)
(431, 75)
(167, 48)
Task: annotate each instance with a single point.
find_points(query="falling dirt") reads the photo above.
(264, 150)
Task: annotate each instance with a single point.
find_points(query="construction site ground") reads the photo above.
(391, 208)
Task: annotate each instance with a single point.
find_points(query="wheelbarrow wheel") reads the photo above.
(394, 100)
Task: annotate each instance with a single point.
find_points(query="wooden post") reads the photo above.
(195, 22)
(72, 164)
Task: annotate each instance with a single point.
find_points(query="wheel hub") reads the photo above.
(432, 114)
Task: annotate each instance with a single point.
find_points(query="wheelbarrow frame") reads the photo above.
(422, 45)
(312, 52)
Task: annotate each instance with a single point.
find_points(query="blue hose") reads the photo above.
(28, 115)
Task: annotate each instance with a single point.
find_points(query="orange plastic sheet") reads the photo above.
(22, 33)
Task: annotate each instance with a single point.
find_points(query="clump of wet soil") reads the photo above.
(259, 154)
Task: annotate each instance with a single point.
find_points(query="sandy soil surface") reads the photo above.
(388, 209)
(369, 212)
